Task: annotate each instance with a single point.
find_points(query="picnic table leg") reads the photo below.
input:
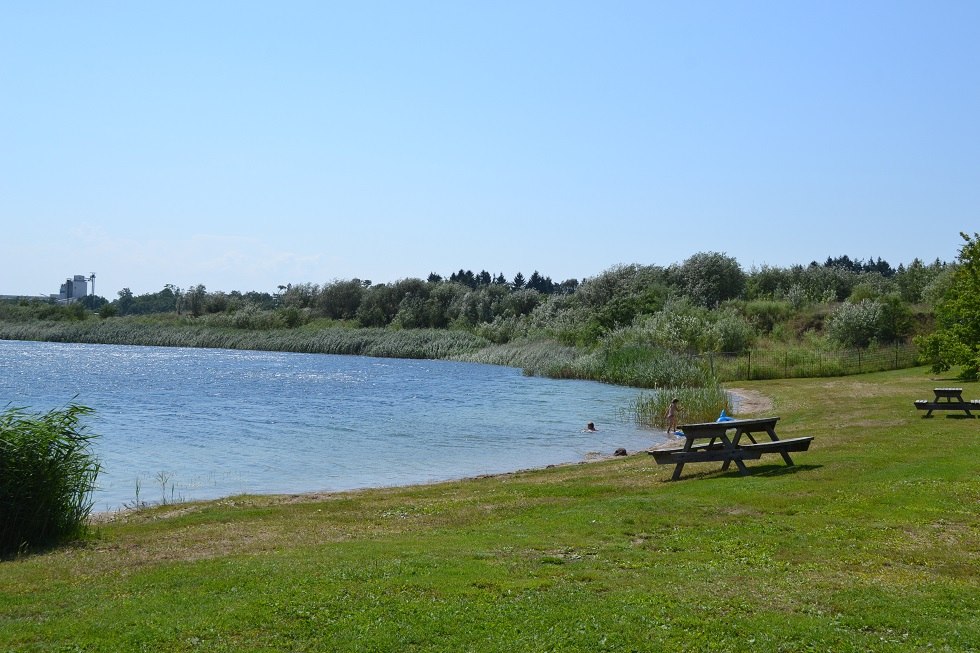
(677, 471)
(742, 469)
(738, 463)
(775, 438)
(733, 445)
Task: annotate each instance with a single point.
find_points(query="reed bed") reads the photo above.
(535, 357)
(702, 404)
(649, 367)
(388, 343)
(47, 474)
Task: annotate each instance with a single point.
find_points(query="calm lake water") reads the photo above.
(185, 424)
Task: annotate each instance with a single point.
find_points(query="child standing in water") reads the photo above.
(673, 409)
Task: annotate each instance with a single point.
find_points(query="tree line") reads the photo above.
(706, 304)
(874, 300)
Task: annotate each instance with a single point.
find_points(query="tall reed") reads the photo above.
(47, 474)
(702, 404)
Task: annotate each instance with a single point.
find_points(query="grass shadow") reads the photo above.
(777, 469)
(766, 470)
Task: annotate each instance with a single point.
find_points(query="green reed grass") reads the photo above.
(696, 405)
(47, 474)
(535, 357)
(387, 343)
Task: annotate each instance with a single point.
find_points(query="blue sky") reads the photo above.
(244, 145)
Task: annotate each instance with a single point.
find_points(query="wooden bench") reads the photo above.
(782, 447)
(722, 448)
(665, 456)
(675, 456)
(947, 399)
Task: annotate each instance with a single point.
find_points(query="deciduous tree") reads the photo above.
(956, 340)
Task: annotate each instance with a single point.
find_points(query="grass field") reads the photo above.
(871, 543)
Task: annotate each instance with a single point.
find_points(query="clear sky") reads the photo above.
(243, 145)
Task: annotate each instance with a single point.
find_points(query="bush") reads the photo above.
(731, 332)
(766, 314)
(47, 474)
(855, 325)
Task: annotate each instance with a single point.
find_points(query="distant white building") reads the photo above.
(73, 289)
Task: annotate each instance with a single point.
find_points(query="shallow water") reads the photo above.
(182, 424)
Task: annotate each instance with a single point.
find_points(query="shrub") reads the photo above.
(47, 474)
(855, 325)
(731, 332)
(709, 278)
(766, 314)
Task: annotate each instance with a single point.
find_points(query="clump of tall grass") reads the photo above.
(47, 474)
(649, 367)
(702, 404)
(422, 343)
(535, 357)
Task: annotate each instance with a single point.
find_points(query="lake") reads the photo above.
(180, 424)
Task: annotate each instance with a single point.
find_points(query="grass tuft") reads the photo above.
(47, 474)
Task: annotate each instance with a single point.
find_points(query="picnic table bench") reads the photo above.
(722, 448)
(947, 399)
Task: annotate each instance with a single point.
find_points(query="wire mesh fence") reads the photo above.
(799, 363)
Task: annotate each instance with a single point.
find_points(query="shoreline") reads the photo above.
(747, 401)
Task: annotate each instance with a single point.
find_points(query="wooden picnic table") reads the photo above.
(947, 399)
(949, 394)
(725, 448)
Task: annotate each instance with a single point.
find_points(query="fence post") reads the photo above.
(748, 367)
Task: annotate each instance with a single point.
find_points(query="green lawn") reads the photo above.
(871, 543)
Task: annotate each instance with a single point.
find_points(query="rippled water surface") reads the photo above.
(184, 424)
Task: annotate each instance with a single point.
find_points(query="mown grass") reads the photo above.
(870, 543)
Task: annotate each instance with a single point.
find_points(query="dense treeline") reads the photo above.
(708, 303)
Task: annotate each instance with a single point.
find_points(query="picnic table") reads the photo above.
(947, 399)
(711, 442)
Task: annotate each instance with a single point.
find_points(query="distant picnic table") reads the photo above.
(947, 399)
(711, 442)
